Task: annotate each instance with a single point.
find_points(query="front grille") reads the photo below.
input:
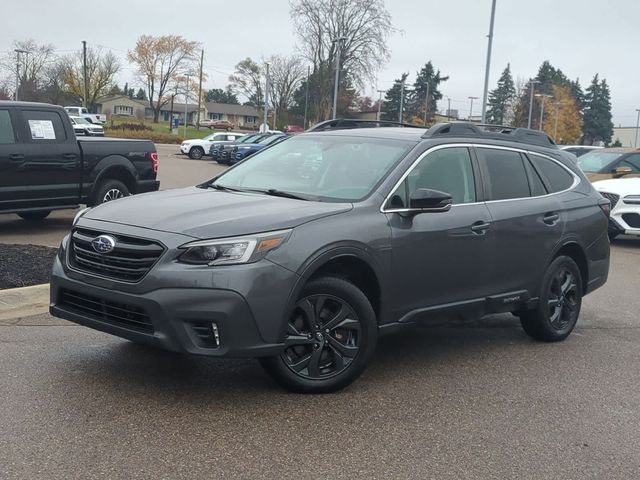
(129, 261)
(114, 313)
(612, 197)
(632, 219)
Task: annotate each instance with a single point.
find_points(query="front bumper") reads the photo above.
(184, 149)
(625, 219)
(247, 303)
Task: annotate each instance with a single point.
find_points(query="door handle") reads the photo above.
(480, 227)
(551, 218)
(16, 157)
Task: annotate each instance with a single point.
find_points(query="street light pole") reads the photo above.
(426, 103)
(339, 41)
(471, 108)
(637, 127)
(543, 96)
(532, 88)
(449, 108)
(486, 71)
(306, 97)
(266, 96)
(401, 101)
(186, 103)
(379, 104)
(555, 129)
(18, 52)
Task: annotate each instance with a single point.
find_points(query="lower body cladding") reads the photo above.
(182, 311)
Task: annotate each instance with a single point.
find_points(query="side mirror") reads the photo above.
(429, 200)
(622, 171)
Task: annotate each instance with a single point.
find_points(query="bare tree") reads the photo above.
(102, 68)
(286, 74)
(33, 68)
(159, 61)
(247, 80)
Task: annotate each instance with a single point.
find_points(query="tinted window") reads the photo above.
(44, 126)
(556, 176)
(632, 161)
(535, 182)
(7, 135)
(448, 170)
(505, 172)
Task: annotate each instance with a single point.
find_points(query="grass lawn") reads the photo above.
(163, 127)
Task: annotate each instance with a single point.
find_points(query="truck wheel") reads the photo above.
(110, 190)
(35, 216)
(196, 153)
(330, 337)
(560, 300)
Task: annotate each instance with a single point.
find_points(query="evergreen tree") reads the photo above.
(427, 79)
(115, 90)
(125, 90)
(577, 94)
(219, 95)
(391, 105)
(141, 94)
(598, 126)
(501, 98)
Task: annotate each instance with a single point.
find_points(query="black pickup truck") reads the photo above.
(44, 167)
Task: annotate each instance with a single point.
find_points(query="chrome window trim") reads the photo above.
(576, 179)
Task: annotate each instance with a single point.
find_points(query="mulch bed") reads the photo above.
(25, 265)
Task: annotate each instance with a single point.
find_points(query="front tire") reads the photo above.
(110, 190)
(34, 216)
(560, 300)
(331, 336)
(196, 153)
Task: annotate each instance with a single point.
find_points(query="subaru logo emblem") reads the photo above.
(103, 243)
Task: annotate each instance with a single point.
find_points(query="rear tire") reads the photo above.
(559, 306)
(196, 153)
(331, 336)
(35, 216)
(109, 190)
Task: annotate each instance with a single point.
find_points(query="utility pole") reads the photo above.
(532, 87)
(84, 72)
(486, 70)
(18, 52)
(401, 101)
(471, 108)
(200, 88)
(449, 108)
(555, 129)
(306, 97)
(637, 127)
(339, 41)
(426, 103)
(186, 103)
(543, 96)
(266, 95)
(380, 92)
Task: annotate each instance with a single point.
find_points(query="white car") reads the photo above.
(199, 147)
(624, 195)
(82, 126)
(578, 150)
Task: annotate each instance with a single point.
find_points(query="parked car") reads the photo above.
(198, 147)
(216, 148)
(242, 151)
(218, 124)
(579, 150)
(624, 195)
(83, 127)
(45, 167)
(293, 129)
(97, 118)
(303, 254)
(226, 152)
(610, 163)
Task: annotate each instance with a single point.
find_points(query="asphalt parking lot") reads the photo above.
(174, 171)
(478, 400)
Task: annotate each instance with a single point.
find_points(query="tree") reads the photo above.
(247, 80)
(141, 95)
(365, 26)
(219, 95)
(598, 126)
(102, 68)
(501, 98)
(562, 112)
(34, 66)
(391, 104)
(428, 79)
(159, 61)
(285, 75)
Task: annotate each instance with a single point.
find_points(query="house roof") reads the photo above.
(109, 98)
(179, 107)
(230, 109)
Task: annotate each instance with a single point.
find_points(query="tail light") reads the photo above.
(154, 161)
(605, 206)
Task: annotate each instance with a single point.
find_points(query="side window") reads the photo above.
(535, 182)
(632, 161)
(7, 135)
(447, 170)
(557, 177)
(506, 174)
(44, 126)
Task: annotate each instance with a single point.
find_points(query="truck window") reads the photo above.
(7, 135)
(44, 126)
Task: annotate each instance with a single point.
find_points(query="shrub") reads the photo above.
(155, 137)
(133, 127)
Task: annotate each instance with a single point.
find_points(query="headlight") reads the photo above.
(80, 214)
(230, 251)
(632, 199)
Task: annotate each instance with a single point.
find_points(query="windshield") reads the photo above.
(248, 138)
(595, 161)
(81, 120)
(324, 168)
(270, 139)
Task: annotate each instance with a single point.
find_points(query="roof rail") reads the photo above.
(496, 132)
(346, 123)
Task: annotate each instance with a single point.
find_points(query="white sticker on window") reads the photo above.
(42, 130)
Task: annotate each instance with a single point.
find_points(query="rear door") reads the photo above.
(526, 220)
(49, 173)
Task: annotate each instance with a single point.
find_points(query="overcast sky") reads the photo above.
(581, 37)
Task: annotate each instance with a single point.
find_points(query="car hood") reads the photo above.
(619, 186)
(207, 213)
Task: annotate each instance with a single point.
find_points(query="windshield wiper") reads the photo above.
(217, 186)
(279, 193)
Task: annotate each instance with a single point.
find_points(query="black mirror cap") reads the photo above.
(430, 200)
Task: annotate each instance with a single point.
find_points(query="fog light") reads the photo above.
(214, 329)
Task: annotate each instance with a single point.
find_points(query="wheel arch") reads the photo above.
(574, 250)
(118, 168)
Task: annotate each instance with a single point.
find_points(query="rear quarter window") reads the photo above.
(7, 135)
(557, 178)
(505, 174)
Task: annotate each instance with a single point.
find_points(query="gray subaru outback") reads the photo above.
(305, 253)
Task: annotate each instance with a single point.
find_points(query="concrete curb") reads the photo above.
(23, 301)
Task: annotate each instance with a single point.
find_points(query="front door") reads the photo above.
(441, 261)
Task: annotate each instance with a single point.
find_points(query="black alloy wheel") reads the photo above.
(561, 299)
